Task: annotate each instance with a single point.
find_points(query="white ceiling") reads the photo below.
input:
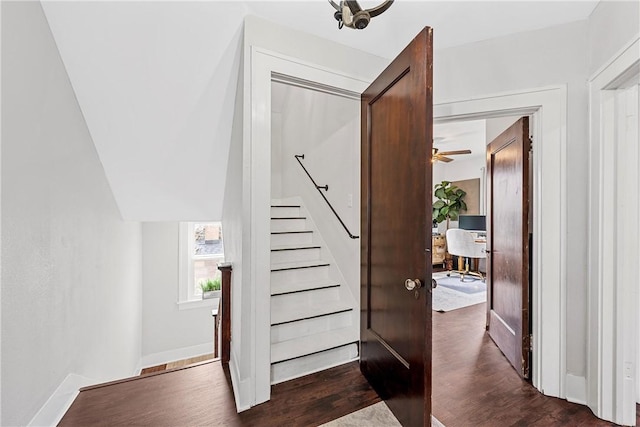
(454, 22)
(156, 81)
(461, 135)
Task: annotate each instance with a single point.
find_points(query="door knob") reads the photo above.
(412, 284)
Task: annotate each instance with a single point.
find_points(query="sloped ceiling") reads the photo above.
(156, 81)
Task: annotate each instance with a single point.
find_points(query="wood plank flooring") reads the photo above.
(474, 384)
(177, 364)
(202, 396)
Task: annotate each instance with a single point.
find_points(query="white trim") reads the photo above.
(576, 389)
(241, 389)
(198, 303)
(183, 264)
(627, 49)
(1, 221)
(168, 356)
(187, 299)
(613, 326)
(549, 108)
(59, 402)
(257, 146)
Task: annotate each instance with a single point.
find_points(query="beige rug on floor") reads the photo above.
(377, 415)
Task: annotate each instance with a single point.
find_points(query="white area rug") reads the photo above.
(377, 415)
(446, 298)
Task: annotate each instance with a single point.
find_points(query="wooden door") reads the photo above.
(396, 233)
(508, 244)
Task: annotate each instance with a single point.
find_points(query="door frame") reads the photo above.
(613, 321)
(268, 66)
(549, 168)
(549, 286)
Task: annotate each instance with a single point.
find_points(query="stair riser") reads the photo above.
(289, 331)
(288, 224)
(295, 368)
(284, 212)
(295, 255)
(300, 275)
(291, 239)
(283, 302)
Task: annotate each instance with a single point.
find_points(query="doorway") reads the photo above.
(548, 285)
(613, 242)
(476, 148)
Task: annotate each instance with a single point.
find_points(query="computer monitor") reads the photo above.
(472, 222)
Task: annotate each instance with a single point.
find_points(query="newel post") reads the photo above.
(225, 345)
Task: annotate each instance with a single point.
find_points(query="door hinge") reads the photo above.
(528, 342)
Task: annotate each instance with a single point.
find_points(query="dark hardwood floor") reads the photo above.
(202, 396)
(474, 384)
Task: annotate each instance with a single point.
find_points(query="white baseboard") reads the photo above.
(176, 354)
(57, 405)
(576, 389)
(241, 389)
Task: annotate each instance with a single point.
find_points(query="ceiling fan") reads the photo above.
(441, 156)
(350, 14)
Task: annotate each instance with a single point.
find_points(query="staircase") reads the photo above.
(313, 314)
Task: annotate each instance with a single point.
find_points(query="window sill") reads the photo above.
(198, 303)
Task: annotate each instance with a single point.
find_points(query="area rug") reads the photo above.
(377, 415)
(451, 293)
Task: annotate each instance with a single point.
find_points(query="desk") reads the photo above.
(476, 261)
(438, 248)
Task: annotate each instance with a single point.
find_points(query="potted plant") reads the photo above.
(448, 206)
(211, 288)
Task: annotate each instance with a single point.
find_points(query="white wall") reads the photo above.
(276, 153)
(326, 129)
(233, 224)
(612, 25)
(0, 222)
(156, 82)
(495, 126)
(168, 333)
(529, 60)
(71, 267)
(458, 170)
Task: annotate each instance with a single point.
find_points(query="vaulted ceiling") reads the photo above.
(156, 81)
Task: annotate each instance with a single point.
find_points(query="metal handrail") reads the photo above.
(325, 188)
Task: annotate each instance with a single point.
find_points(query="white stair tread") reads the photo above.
(298, 264)
(293, 247)
(307, 311)
(313, 343)
(278, 288)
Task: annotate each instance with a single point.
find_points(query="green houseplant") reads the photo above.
(449, 204)
(211, 288)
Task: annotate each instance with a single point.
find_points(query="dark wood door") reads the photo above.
(508, 244)
(396, 233)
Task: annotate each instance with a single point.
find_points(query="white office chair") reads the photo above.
(462, 244)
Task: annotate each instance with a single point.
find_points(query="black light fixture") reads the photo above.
(349, 13)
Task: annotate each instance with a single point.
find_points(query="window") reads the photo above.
(201, 250)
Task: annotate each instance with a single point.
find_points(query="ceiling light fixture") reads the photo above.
(349, 13)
